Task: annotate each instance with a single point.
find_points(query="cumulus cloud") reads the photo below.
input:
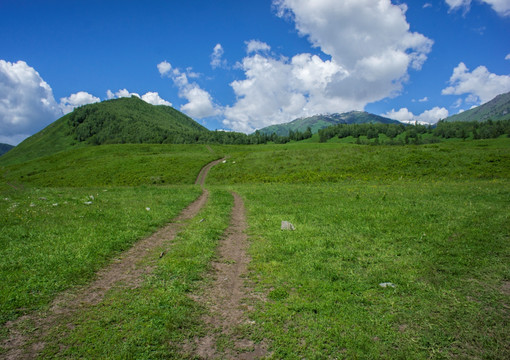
(256, 46)
(371, 51)
(217, 57)
(27, 103)
(164, 67)
(507, 57)
(427, 117)
(502, 7)
(200, 103)
(150, 97)
(120, 94)
(154, 99)
(480, 84)
(68, 104)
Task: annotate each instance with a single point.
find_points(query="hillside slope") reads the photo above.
(318, 122)
(496, 109)
(118, 121)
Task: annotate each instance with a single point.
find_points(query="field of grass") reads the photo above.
(444, 245)
(433, 220)
(323, 163)
(53, 239)
(153, 320)
(112, 165)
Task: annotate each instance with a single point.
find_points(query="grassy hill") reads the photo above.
(4, 148)
(496, 109)
(318, 122)
(118, 121)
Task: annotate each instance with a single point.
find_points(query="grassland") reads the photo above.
(332, 162)
(155, 319)
(433, 220)
(444, 245)
(53, 239)
(112, 165)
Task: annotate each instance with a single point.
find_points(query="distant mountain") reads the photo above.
(318, 122)
(117, 121)
(4, 148)
(496, 109)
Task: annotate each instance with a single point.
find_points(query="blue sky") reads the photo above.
(242, 65)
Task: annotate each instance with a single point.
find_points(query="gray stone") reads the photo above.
(387, 284)
(287, 226)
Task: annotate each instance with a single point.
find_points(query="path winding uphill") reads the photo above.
(222, 299)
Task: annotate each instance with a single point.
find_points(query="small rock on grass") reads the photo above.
(387, 284)
(287, 226)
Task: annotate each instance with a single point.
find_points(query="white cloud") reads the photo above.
(480, 84)
(68, 104)
(120, 94)
(150, 97)
(365, 31)
(371, 50)
(507, 57)
(425, 99)
(27, 103)
(164, 67)
(217, 57)
(458, 4)
(427, 117)
(256, 46)
(154, 99)
(502, 7)
(200, 103)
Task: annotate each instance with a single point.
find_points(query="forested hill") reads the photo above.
(496, 109)
(117, 121)
(317, 122)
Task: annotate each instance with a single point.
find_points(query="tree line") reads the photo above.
(402, 134)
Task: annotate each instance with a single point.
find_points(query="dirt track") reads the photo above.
(224, 299)
(123, 269)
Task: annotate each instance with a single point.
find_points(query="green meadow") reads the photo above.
(433, 221)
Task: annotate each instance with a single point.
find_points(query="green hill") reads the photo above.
(4, 148)
(496, 109)
(318, 122)
(117, 121)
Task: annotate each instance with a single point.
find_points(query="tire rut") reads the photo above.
(225, 298)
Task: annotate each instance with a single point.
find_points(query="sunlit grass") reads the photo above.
(53, 239)
(445, 247)
(155, 319)
(322, 163)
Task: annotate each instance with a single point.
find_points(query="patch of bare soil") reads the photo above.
(24, 343)
(203, 172)
(224, 299)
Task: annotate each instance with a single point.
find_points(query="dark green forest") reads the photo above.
(402, 134)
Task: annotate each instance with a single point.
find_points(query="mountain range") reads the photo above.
(318, 122)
